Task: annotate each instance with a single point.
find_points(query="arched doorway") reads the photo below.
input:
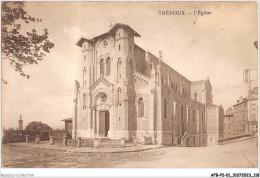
(103, 123)
(102, 115)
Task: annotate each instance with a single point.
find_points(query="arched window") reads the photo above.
(118, 95)
(162, 81)
(182, 110)
(119, 63)
(104, 98)
(202, 116)
(140, 107)
(108, 66)
(84, 74)
(84, 101)
(188, 114)
(131, 64)
(165, 108)
(193, 115)
(102, 67)
(195, 96)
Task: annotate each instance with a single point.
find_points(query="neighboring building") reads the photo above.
(253, 104)
(68, 126)
(228, 124)
(125, 92)
(202, 91)
(214, 124)
(242, 120)
(20, 123)
(241, 117)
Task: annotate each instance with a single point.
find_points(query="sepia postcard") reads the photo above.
(129, 84)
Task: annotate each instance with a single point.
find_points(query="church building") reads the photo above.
(127, 92)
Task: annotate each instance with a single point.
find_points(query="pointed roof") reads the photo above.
(82, 39)
(117, 25)
(199, 82)
(101, 80)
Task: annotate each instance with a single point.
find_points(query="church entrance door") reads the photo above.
(103, 123)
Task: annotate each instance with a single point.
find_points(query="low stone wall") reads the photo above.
(111, 143)
(86, 142)
(223, 140)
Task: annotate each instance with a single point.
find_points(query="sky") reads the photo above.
(218, 46)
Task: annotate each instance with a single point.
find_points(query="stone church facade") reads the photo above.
(126, 92)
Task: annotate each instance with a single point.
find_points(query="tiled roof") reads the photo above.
(82, 39)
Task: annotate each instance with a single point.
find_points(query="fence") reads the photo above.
(87, 142)
(111, 143)
(72, 142)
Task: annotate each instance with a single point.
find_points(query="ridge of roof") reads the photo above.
(83, 39)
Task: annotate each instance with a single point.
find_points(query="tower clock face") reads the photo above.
(105, 43)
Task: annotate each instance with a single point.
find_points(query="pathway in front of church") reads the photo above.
(242, 154)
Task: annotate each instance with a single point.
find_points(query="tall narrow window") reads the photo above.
(130, 48)
(162, 81)
(140, 107)
(182, 110)
(202, 116)
(118, 70)
(188, 114)
(84, 74)
(119, 47)
(119, 95)
(193, 115)
(165, 108)
(131, 64)
(108, 66)
(84, 101)
(195, 96)
(102, 67)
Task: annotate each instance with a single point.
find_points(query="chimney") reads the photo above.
(20, 123)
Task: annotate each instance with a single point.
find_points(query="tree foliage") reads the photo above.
(37, 126)
(22, 49)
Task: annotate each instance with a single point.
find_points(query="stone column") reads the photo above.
(152, 110)
(64, 141)
(97, 123)
(93, 122)
(51, 140)
(122, 142)
(111, 124)
(78, 141)
(37, 139)
(89, 118)
(27, 138)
